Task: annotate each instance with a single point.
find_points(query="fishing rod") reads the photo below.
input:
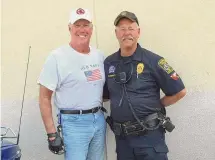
(94, 14)
(23, 96)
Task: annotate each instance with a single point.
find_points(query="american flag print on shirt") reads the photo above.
(93, 75)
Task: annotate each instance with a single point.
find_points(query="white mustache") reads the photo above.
(129, 38)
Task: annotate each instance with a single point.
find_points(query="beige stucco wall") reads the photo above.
(181, 31)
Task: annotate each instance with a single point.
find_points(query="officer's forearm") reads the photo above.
(169, 100)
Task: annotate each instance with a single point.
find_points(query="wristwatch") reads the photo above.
(51, 135)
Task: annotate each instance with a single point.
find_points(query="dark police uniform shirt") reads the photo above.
(146, 74)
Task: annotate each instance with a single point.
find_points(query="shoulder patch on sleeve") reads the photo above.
(175, 76)
(165, 66)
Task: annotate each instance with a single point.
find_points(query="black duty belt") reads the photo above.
(93, 110)
(133, 128)
(150, 122)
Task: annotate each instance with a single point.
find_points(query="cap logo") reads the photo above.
(123, 13)
(80, 11)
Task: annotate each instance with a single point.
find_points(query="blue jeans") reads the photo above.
(84, 136)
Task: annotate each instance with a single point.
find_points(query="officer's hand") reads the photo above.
(56, 145)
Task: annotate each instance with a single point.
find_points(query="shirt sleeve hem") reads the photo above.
(50, 87)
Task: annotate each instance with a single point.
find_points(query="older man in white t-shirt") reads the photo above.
(75, 74)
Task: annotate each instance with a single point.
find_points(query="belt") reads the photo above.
(151, 122)
(93, 110)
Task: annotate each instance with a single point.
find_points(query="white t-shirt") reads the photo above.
(77, 79)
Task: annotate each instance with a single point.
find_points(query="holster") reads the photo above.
(109, 121)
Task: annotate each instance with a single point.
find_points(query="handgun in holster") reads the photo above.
(109, 121)
(166, 122)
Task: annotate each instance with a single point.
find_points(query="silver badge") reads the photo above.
(111, 69)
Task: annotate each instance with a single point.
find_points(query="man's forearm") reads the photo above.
(169, 100)
(46, 113)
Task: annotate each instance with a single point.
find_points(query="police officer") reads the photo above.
(134, 78)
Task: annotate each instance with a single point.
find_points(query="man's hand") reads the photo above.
(56, 145)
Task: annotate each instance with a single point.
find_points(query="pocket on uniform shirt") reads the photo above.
(142, 81)
(142, 76)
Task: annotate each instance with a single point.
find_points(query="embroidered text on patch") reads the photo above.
(93, 75)
(165, 66)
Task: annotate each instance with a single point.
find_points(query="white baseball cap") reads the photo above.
(79, 13)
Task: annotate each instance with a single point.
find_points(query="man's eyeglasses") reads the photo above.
(85, 26)
(124, 29)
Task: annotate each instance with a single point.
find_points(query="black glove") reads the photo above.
(56, 145)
